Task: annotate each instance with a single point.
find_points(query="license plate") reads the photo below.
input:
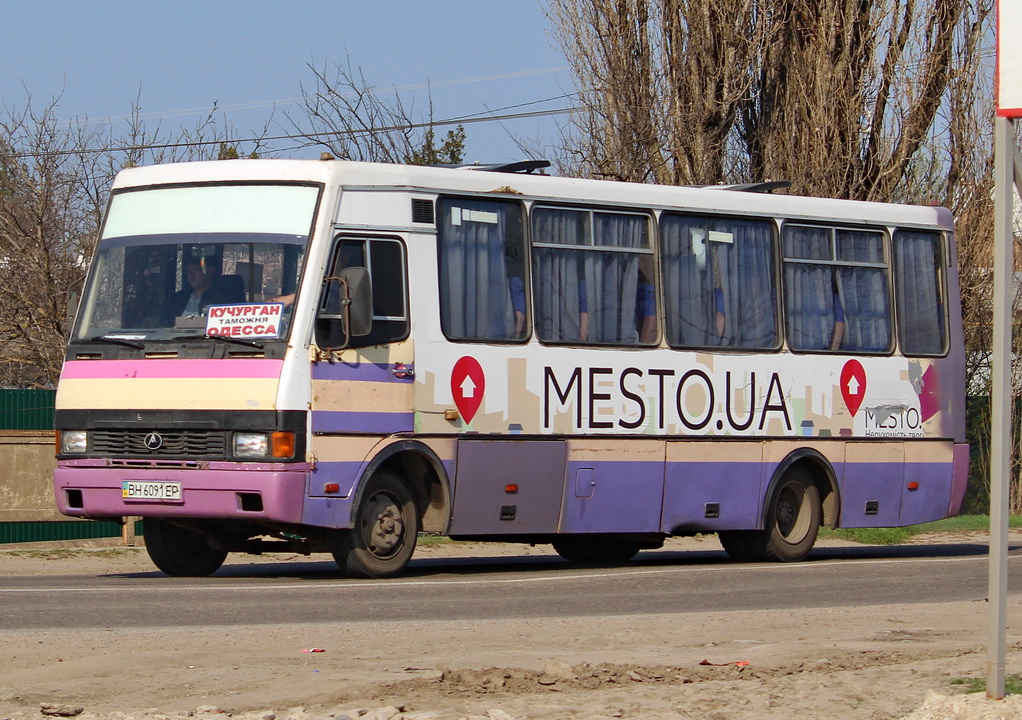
(161, 491)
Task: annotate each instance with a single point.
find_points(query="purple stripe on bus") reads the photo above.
(335, 512)
(715, 496)
(329, 512)
(959, 479)
(336, 421)
(343, 474)
(205, 493)
(621, 496)
(878, 494)
(730, 493)
(366, 372)
(930, 498)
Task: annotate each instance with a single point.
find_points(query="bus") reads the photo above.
(330, 356)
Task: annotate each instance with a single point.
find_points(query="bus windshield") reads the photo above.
(168, 255)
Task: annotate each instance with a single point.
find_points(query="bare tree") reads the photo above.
(839, 96)
(49, 213)
(346, 116)
(884, 100)
(660, 85)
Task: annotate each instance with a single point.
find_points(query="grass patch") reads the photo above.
(896, 536)
(1012, 684)
(432, 540)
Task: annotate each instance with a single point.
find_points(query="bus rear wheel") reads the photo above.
(386, 527)
(794, 518)
(792, 523)
(180, 551)
(595, 549)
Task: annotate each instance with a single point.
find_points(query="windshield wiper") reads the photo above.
(117, 341)
(225, 338)
(236, 341)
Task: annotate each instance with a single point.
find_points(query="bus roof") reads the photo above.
(424, 179)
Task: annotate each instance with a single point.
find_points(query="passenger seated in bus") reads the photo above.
(719, 315)
(839, 323)
(204, 289)
(516, 287)
(645, 310)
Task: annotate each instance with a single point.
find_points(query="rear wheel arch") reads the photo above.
(802, 496)
(820, 470)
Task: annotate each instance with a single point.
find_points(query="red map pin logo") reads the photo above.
(467, 386)
(853, 385)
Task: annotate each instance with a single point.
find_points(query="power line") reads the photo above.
(259, 104)
(464, 120)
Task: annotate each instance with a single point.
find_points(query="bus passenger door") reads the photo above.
(508, 487)
(613, 486)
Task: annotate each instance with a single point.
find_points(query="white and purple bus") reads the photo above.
(329, 356)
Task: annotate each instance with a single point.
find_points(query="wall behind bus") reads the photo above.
(28, 512)
(26, 476)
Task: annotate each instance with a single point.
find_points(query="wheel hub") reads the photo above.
(384, 527)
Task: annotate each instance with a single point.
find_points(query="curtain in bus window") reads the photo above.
(862, 292)
(481, 285)
(917, 267)
(812, 305)
(558, 276)
(615, 287)
(718, 282)
(585, 292)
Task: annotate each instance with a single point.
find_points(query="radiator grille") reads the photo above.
(186, 444)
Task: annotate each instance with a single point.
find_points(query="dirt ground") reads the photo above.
(872, 663)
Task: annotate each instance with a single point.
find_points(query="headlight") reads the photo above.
(251, 445)
(74, 442)
(277, 445)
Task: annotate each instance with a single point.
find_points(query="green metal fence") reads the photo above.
(26, 409)
(28, 532)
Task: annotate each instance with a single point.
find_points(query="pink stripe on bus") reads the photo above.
(151, 369)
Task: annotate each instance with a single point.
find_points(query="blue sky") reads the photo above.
(181, 56)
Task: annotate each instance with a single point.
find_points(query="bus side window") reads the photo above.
(481, 250)
(385, 261)
(718, 279)
(593, 277)
(836, 289)
(919, 289)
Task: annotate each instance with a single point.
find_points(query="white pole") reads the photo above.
(1000, 403)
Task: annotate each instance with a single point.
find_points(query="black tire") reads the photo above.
(792, 524)
(595, 549)
(793, 519)
(386, 528)
(739, 544)
(179, 551)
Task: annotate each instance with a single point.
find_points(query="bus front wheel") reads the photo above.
(179, 551)
(386, 526)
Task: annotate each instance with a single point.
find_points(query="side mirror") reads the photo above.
(347, 309)
(356, 302)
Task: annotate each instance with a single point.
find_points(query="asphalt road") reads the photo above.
(503, 587)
